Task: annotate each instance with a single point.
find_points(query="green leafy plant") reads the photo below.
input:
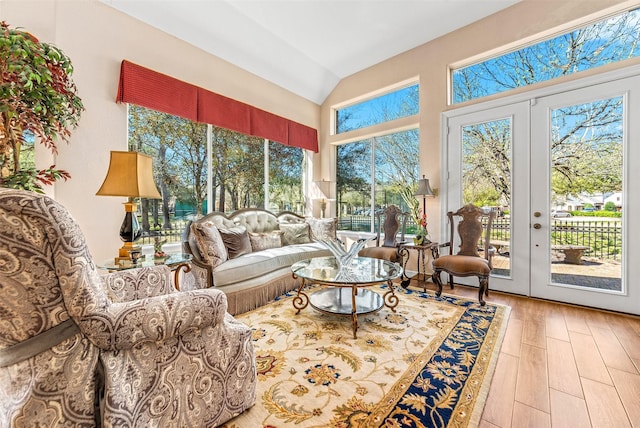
(37, 98)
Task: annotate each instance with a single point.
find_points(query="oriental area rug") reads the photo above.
(429, 364)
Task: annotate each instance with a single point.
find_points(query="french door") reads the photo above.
(488, 157)
(563, 168)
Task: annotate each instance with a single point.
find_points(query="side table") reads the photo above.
(420, 249)
(176, 262)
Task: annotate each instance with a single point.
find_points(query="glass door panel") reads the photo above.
(486, 181)
(488, 166)
(582, 146)
(586, 157)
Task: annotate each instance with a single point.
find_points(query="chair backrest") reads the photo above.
(471, 228)
(48, 278)
(390, 220)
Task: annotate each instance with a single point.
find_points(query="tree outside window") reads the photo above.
(179, 149)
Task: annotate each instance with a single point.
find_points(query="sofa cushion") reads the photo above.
(323, 228)
(295, 233)
(254, 265)
(236, 239)
(209, 242)
(265, 241)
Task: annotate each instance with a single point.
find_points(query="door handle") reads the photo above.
(537, 225)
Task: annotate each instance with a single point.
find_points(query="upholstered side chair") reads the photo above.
(124, 349)
(473, 225)
(390, 220)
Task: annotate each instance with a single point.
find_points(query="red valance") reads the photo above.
(157, 91)
(270, 126)
(223, 112)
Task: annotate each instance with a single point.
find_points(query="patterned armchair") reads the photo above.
(78, 349)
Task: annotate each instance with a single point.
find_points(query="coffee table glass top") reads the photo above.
(362, 271)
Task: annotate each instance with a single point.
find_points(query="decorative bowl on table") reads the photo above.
(345, 258)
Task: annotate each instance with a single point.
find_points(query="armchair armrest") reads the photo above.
(203, 273)
(122, 325)
(134, 284)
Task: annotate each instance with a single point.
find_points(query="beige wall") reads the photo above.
(97, 38)
(429, 62)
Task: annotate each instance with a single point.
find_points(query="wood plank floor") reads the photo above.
(562, 366)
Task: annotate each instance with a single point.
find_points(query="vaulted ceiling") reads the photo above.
(307, 46)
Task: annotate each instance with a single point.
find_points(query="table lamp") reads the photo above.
(130, 174)
(424, 190)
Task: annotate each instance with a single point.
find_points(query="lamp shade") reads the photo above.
(130, 174)
(424, 189)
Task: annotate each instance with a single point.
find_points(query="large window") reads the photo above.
(237, 175)
(394, 105)
(607, 41)
(372, 175)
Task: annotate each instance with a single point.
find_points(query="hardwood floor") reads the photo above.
(563, 366)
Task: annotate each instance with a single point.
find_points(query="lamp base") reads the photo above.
(128, 253)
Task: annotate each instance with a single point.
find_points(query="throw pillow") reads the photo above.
(210, 244)
(236, 239)
(264, 241)
(295, 233)
(323, 228)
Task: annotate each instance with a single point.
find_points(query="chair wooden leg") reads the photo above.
(435, 276)
(451, 281)
(483, 290)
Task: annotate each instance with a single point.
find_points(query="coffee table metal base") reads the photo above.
(346, 301)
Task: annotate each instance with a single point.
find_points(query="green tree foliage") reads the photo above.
(486, 163)
(610, 207)
(354, 173)
(586, 139)
(179, 148)
(285, 177)
(586, 147)
(238, 170)
(610, 40)
(395, 156)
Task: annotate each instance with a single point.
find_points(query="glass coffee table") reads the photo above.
(346, 290)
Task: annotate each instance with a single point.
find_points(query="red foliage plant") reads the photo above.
(38, 100)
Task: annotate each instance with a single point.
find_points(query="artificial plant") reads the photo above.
(38, 100)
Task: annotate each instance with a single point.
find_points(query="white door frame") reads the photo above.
(630, 302)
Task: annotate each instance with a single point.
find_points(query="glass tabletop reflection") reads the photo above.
(363, 270)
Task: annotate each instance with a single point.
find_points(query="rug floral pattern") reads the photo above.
(429, 364)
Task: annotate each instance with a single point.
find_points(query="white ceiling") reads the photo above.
(307, 46)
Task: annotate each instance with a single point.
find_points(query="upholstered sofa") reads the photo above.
(80, 349)
(249, 253)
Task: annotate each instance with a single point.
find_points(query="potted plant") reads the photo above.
(38, 101)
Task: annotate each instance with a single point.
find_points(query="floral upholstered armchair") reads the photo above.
(124, 349)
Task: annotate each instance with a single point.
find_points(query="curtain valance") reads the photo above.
(148, 88)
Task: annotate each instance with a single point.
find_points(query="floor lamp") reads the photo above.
(130, 174)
